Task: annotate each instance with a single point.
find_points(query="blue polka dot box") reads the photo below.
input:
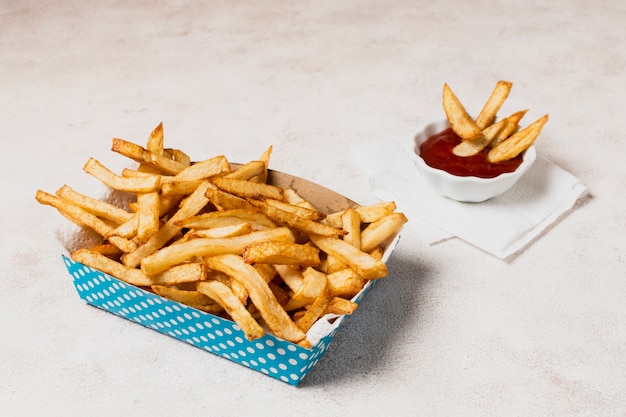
(270, 355)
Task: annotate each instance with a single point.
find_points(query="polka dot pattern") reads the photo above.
(269, 355)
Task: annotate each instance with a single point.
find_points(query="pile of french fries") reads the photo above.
(503, 138)
(218, 237)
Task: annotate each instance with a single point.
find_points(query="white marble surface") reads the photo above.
(452, 331)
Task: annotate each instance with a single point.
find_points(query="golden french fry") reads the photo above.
(293, 220)
(363, 263)
(231, 230)
(280, 252)
(148, 215)
(281, 294)
(139, 154)
(315, 311)
(314, 283)
(493, 134)
(178, 156)
(218, 165)
(291, 275)
(341, 306)
(237, 311)
(332, 264)
(267, 271)
(179, 188)
(189, 207)
(377, 232)
(351, 223)
(471, 147)
(228, 217)
(107, 249)
(189, 297)
(517, 143)
(100, 262)
(299, 211)
(460, 121)
(511, 124)
(129, 229)
(225, 200)
(244, 188)
(264, 300)
(155, 140)
(265, 158)
(492, 106)
(136, 184)
(345, 283)
(83, 218)
(171, 255)
(248, 170)
(292, 197)
(178, 274)
(368, 213)
(94, 206)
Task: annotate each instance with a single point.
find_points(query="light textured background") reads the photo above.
(452, 331)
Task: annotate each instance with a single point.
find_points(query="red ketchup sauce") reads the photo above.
(436, 151)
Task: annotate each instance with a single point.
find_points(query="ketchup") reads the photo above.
(436, 151)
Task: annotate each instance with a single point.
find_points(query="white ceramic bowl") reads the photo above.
(465, 189)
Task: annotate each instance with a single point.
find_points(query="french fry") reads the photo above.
(189, 272)
(363, 263)
(315, 311)
(136, 184)
(493, 135)
(302, 212)
(368, 214)
(228, 217)
(291, 275)
(340, 306)
(225, 200)
(265, 158)
(107, 249)
(460, 121)
(345, 283)
(218, 165)
(94, 206)
(314, 283)
(243, 188)
(138, 153)
(273, 314)
(351, 224)
(156, 139)
(295, 199)
(166, 257)
(224, 296)
(294, 221)
(190, 207)
(280, 252)
(100, 262)
(179, 188)
(377, 232)
(511, 124)
(178, 156)
(517, 143)
(248, 170)
(231, 230)
(189, 297)
(492, 106)
(148, 215)
(83, 218)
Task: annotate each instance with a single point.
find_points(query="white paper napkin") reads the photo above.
(502, 226)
